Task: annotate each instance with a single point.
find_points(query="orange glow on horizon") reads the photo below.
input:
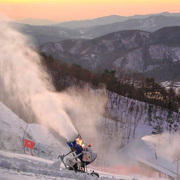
(88, 1)
(66, 10)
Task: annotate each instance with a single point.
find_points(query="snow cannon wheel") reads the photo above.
(94, 174)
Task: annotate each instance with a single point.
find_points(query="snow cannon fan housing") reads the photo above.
(84, 151)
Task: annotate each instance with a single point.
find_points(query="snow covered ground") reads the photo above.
(169, 84)
(14, 164)
(20, 166)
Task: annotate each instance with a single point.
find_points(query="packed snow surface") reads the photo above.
(20, 166)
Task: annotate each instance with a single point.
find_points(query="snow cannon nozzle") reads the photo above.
(74, 142)
(72, 139)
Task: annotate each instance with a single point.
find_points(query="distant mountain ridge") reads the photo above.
(37, 22)
(44, 34)
(55, 33)
(151, 23)
(137, 51)
(90, 22)
(109, 20)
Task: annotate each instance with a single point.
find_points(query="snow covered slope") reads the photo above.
(14, 130)
(22, 166)
(144, 153)
(128, 120)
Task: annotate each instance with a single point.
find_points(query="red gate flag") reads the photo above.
(28, 143)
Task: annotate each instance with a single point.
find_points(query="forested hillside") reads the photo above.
(131, 86)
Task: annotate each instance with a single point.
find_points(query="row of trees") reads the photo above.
(143, 89)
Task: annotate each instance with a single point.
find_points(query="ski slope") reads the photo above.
(14, 164)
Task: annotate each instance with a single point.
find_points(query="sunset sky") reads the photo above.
(65, 10)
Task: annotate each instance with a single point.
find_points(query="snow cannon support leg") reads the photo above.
(63, 156)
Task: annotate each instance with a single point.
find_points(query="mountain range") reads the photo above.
(55, 33)
(145, 44)
(92, 22)
(155, 54)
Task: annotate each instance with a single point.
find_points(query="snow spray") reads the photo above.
(26, 87)
(165, 145)
(86, 107)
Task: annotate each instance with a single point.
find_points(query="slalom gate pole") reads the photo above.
(26, 129)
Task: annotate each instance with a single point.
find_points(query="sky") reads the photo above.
(66, 10)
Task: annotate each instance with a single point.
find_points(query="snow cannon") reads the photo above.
(82, 150)
(79, 157)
